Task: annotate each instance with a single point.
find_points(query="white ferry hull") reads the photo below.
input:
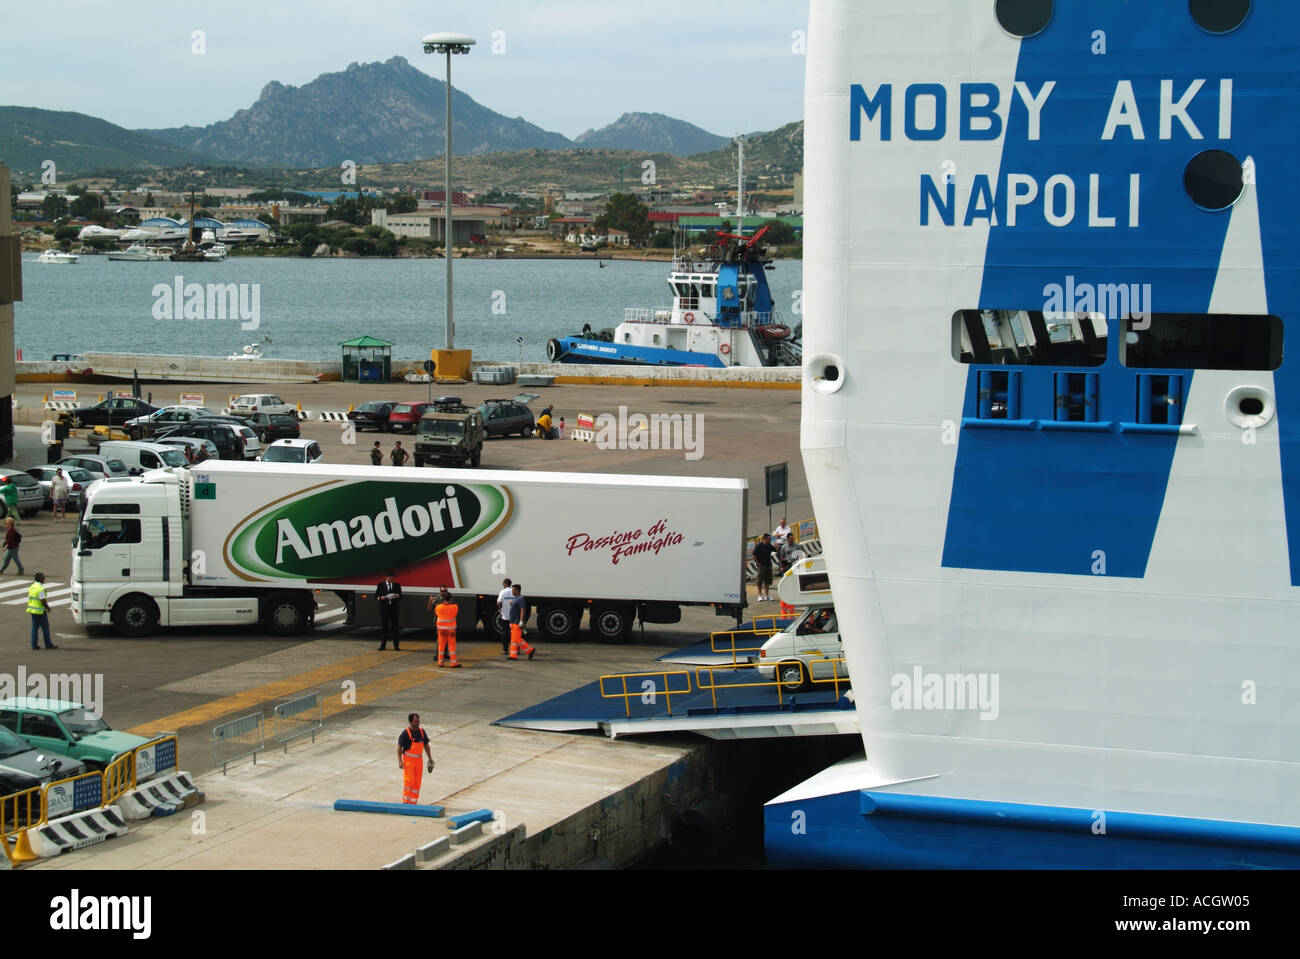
(1107, 606)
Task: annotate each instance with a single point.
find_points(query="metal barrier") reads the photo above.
(247, 735)
(119, 777)
(18, 811)
(74, 794)
(667, 691)
(290, 714)
(781, 688)
(774, 626)
(731, 634)
(154, 758)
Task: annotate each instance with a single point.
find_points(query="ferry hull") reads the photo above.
(896, 830)
(577, 350)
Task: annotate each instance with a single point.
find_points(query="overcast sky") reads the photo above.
(729, 66)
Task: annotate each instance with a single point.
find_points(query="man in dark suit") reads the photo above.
(389, 594)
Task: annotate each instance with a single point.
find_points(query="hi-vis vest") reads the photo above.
(446, 615)
(35, 601)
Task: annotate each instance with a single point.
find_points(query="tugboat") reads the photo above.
(721, 316)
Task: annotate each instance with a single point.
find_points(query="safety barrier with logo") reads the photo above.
(83, 810)
(624, 693)
(238, 739)
(298, 717)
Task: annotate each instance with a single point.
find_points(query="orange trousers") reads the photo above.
(412, 774)
(447, 643)
(517, 642)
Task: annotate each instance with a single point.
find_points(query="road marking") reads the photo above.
(50, 594)
(22, 590)
(251, 698)
(331, 614)
(331, 704)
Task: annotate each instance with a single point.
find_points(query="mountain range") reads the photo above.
(374, 113)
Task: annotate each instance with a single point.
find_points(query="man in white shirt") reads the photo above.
(502, 597)
(781, 534)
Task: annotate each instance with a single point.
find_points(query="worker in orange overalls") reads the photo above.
(446, 612)
(408, 758)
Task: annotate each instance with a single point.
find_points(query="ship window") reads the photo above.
(1219, 16)
(1203, 341)
(1076, 397)
(1028, 338)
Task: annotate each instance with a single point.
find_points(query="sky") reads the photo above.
(729, 66)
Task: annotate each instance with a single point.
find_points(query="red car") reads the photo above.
(405, 417)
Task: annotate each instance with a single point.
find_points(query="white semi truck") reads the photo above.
(233, 543)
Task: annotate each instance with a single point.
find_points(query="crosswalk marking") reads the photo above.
(52, 595)
(11, 591)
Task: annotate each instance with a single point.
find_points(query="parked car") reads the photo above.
(143, 426)
(68, 728)
(405, 417)
(31, 498)
(17, 755)
(195, 449)
(293, 451)
(251, 403)
(233, 442)
(372, 415)
(506, 417)
(77, 479)
(101, 467)
(140, 455)
(275, 426)
(114, 411)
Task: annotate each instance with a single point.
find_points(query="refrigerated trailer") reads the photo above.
(232, 543)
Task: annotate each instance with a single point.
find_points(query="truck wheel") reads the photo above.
(135, 615)
(793, 677)
(419, 461)
(284, 615)
(612, 624)
(559, 623)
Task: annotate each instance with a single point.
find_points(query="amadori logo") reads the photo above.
(351, 529)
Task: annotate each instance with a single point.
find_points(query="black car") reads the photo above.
(270, 427)
(504, 417)
(226, 436)
(112, 412)
(372, 415)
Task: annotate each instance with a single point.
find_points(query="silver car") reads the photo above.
(30, 496)
(78, 480)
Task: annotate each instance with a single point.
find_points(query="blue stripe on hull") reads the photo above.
(867, 829)
(597, 351)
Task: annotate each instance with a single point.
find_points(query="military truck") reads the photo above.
(450, 434)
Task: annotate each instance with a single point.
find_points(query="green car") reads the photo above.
(68, 728)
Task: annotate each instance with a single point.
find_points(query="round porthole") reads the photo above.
(825, 373)
(1213, 179)
(1219, 16)
(1023, 18)
(1249, 407)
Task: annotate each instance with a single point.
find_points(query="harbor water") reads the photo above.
(308, 306)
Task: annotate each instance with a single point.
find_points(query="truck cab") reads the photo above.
(134, 567)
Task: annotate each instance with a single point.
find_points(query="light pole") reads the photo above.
(448, 43)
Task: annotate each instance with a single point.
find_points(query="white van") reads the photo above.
(140, 456)
(809, 648)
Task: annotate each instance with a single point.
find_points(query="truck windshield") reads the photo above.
(82, 722)
(442, 428)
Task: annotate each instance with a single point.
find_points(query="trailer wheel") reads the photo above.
(284, 615)
(135, 615)
(612, 624)
(419, 461)
(559, 623)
